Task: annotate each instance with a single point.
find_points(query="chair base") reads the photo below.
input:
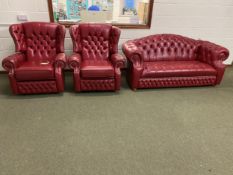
(98, 85)
(37, 87)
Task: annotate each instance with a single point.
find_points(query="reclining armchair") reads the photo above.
(37, 66)
(95, 61)
(169, 60)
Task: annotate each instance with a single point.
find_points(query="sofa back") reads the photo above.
(167, 47)
(40, 41)
(95, 41)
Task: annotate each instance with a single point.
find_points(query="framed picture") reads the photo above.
(121, 13)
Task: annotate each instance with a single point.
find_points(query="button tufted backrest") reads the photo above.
(40, 40)
(168, 47)
(95, 41)
(17, 33)
(114, 39)
(76, 38)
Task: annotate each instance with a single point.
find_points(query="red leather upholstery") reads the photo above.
(37, 67)
(97, 69)
(96, 62)
(169, 60)
(32, 71)
(177, 69)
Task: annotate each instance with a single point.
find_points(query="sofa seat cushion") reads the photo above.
(97, 69)
(35, 71)
(177, 69)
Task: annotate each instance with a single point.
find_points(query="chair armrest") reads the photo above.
(118, 60)
(60, 60)
(75, 61)
(13, 61)
(212, 53)
(132, 52)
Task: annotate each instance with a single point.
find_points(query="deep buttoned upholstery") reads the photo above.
(169, 60)
(96, 62)
(37, 65)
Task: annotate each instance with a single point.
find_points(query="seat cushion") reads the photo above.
(35, 71)
(177, 69)
(97, 69)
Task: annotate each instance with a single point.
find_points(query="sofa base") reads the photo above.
(176, 82)
(37, 87)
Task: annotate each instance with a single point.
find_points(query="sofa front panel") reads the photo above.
(177, 82)
(41, 39)
(167, 47)
(95, 41)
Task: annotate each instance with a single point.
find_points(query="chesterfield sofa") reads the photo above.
(37, 66)
(168, 60)
(95, 62)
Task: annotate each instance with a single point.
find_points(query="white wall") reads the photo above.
(205, 19)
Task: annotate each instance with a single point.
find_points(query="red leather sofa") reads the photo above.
(169, 60)
(37, 65)
(95, 61)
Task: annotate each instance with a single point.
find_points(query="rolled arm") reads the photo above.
(118, 60)
(13, 61)
(211, 52)
(133, 53)
(75, 61)
(214, 55)
(60, 60)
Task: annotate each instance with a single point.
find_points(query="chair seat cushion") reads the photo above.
(177, 69)
(97, 69)
(35, 71)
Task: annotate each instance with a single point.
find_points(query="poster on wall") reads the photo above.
(129, 4)
(74, 7)
(101, 4)
(102, 11)
(129, 8)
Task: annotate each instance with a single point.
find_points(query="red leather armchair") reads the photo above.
(96, 62)
(37, 65)
(173, 61)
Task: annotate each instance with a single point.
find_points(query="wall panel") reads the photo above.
(201, 19)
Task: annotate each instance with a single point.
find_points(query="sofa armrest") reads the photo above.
(118, 60)
(60, 60)
(212, 53)
(75, 61)
(132, 52)
(13, 61)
